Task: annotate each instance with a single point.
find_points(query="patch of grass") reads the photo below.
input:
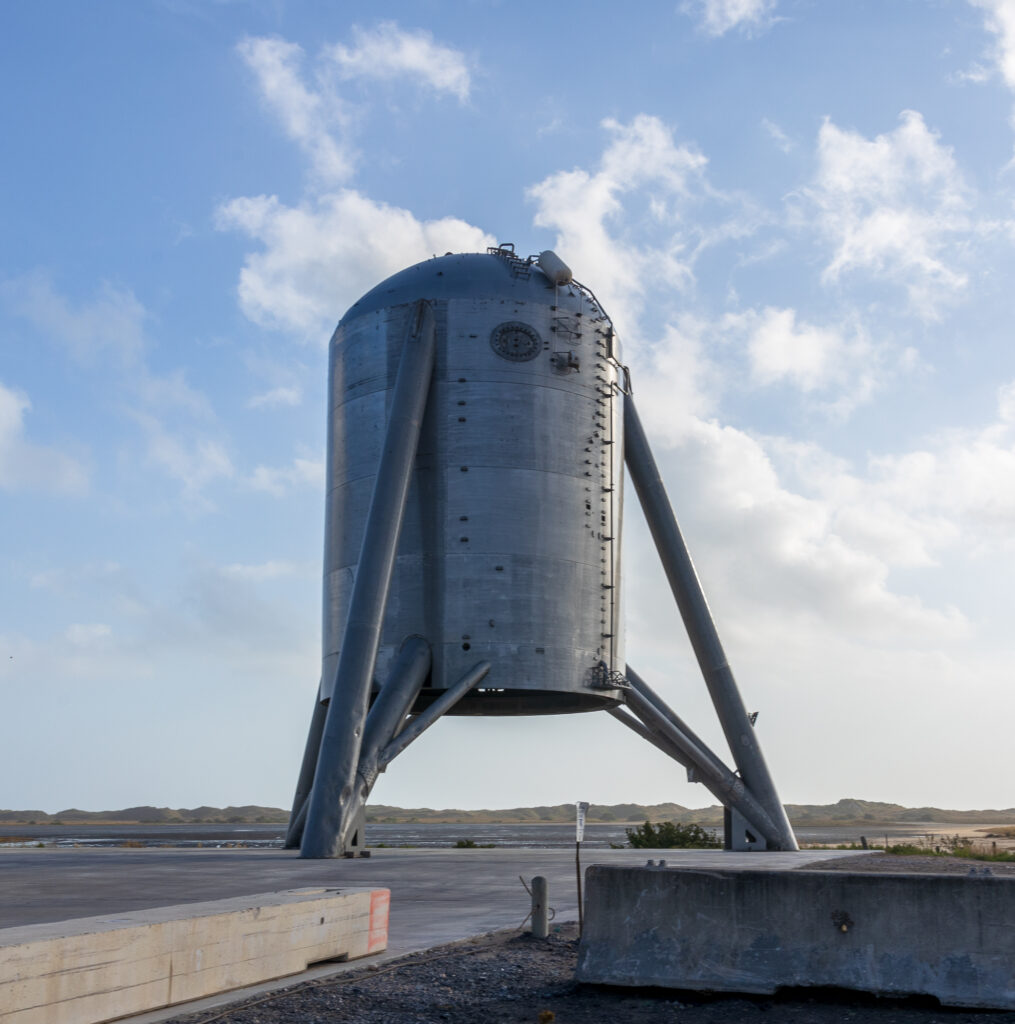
(468, 844)
(952, 846)
(911, 849)
(981, 853)
(841, 846)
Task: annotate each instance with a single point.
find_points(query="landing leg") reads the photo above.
(333, 797)
(701, 629)
(298, 816)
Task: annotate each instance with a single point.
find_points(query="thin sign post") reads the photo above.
(581, 808)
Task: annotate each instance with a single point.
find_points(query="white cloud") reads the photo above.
(895, 206)
(837, 366)
(780, 349)
(643, 151)
(976, 73)
(772, 551)
(25, 466)
(194, 462)
(863, 515)
(66, 580)
(717, 17)
(778, 136)
(276, 397)
(678, 382)
(109, 326)
(277, 480)
(387, 52)
(966, 477)
(170, 390)
(321, 256)
(106, 332)
(1000, 18)
(308, 117)
(311, 109)
(262, 572)
(318, 257)
(908, 509)
(91, 634)
(697, 361)
(595, 229)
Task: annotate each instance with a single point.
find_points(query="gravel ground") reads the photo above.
(512, 978)
(912, 865)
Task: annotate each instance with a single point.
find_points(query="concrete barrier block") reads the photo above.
(948, 936)
(97, 969)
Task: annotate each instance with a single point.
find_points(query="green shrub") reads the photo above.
(669, 835)
(907, 849)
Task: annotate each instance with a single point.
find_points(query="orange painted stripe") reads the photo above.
(380, 904)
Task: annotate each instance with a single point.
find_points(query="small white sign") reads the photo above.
(579, 829)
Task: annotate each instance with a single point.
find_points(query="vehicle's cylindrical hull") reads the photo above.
(510, 549)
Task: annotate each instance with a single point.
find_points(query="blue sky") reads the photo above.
(800, 217)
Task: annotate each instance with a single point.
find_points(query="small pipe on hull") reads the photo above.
(333, 795)
(701, 629)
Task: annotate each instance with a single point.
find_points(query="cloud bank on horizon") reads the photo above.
(807, 254)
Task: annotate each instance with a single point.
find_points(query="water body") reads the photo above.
(597, 836)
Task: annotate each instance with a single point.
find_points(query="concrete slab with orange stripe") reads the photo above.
(94, 969)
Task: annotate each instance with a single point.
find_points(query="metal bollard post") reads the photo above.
(540, 908)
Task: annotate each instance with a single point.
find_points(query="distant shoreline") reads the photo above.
(857, 813)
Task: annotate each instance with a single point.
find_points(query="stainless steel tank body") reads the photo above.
(476, 448)
(509, 550)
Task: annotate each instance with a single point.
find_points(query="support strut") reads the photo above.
(444, 703)
(387, 713)
(385, 718)
(307, 769)
(333, 797)
(701, 629)
(727, 788)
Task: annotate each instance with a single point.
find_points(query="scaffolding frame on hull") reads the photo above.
(351, 740)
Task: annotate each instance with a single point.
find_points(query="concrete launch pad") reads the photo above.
(709, 919)
(437, 896)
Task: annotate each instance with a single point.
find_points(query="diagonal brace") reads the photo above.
(700, 627)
